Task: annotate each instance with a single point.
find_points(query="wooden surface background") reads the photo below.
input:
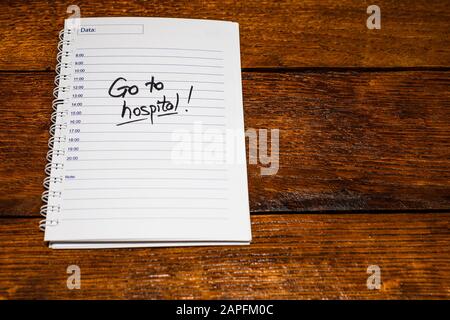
(364, 178)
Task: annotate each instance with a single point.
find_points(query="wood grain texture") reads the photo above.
(292, 256)
(363, 139)
(348, 140)
(274, 34)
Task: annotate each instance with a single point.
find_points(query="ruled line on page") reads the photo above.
(143, 168)
(146, 188)
(153, 132)
(179, 115)
(149, 56)
(146, 208)
(215, 161)
(131, 150)
(108, 97)
(81, 141)
(85, 141)
(168, 72)
(110, 106)
(140, 178)
(149, 48)
(202, 115)
(148, 218)
(159, 123)
(154, 64)
(162, 80)
(165, 89)
(140, 159)
(144, 197)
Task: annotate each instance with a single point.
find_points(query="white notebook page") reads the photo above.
(155, 145)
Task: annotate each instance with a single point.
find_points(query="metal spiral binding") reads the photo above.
(55, 167)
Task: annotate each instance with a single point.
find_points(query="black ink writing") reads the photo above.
(160, 108)
(123, 90)
(154, 85)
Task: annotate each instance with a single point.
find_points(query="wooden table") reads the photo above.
(364, 178)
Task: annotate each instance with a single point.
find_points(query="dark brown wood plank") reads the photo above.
(275, 34)
(353, 141)
(292, 256)
(348, 140)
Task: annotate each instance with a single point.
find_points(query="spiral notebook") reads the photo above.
(147, 144)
